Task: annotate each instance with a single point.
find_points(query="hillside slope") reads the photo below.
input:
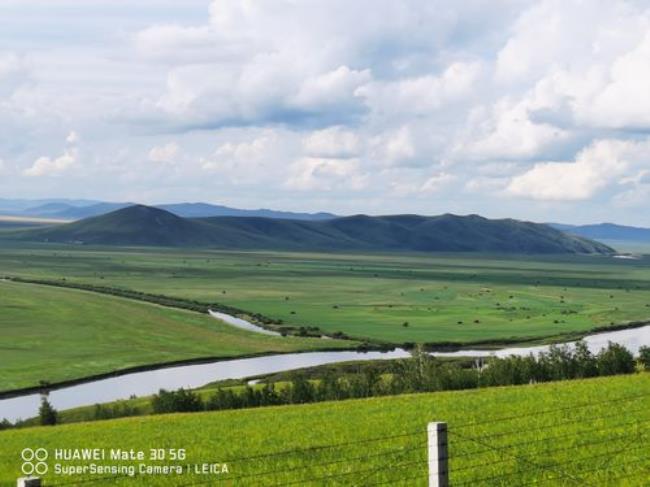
(593, 430)
(142, 225)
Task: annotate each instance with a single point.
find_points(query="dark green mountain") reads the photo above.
(142, 225)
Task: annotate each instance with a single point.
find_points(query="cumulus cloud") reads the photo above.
(538, 100)
(413, 96)
(45, 165)
(624, 100)
(336, 142)
(506, 131)
(313, 173)
(595, 167)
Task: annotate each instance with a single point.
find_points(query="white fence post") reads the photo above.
(438, 455)
(29, 482)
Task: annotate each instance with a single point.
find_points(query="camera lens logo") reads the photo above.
(34, 461)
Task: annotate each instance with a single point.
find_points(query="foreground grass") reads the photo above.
(565, 433)
(54, 334)
(394, 298)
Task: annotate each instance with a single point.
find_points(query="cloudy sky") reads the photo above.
(529, 109)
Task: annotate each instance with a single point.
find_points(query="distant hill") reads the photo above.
(142, 225)
(606, 231)
(202, 210)
(25, 207)
(79, 209)
(70, 212)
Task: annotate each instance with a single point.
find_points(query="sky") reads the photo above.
(537, 110)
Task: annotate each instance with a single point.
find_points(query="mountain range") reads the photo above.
(79, 209)
(70, 209)
(140, 225)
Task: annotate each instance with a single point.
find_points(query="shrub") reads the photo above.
(644, 357)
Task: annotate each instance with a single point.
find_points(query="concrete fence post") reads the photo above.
(29, 482)
(438, 455)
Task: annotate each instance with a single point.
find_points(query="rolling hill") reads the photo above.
(203, 210)
(148, 226)
(607, 231)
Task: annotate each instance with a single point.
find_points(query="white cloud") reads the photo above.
(506, 131)
(165, 153)
(437, 182)
(313, 173)
(253, 157)
(332, 89)
(368, 102)
(72, 138)
(600, 164)
(44, 166)
(334, 142)
(483, 184)
(394, 148)
(434, 183)
(421, 95)
(624, 101)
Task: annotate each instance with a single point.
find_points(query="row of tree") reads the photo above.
(421, 373)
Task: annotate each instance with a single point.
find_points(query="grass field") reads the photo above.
(394, 298)
(590, 432)
(54, 334)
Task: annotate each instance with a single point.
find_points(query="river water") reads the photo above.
(196, 375)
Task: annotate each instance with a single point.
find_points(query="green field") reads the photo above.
(55, 334)
(589, 432)
(393, 298)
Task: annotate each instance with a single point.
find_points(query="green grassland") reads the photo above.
(55, 334)
(587, 432)
(442, 298)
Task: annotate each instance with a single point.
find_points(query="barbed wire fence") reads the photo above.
(584, 447)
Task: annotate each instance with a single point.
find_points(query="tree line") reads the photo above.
(421, 373)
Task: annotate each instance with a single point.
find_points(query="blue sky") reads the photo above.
(533, 110)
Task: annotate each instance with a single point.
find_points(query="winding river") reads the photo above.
(196, 375)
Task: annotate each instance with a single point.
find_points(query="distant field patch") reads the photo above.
(393, 298)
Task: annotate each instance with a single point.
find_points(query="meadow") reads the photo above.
(585, 432)
(394, 298)
(55, 334)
